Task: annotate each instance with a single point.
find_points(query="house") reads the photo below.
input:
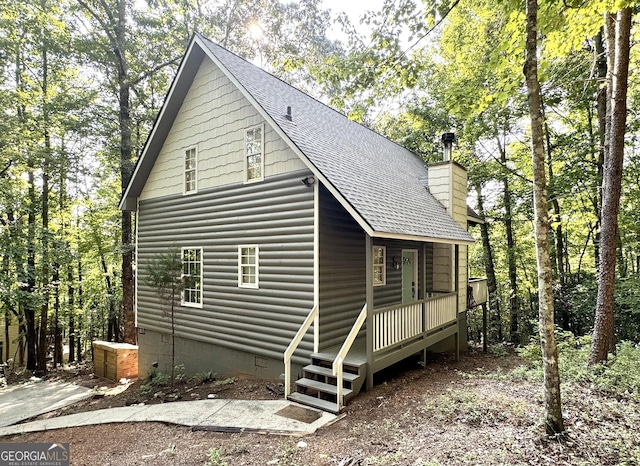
(315, 246)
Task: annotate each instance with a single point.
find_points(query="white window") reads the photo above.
(248, 266)
(192, 274)
(190, 170)
(254, 153)
(379, 265)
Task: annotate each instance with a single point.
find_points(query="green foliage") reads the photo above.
(155, 378)
(619, 376)
(215, 457)
(205, 377)
(227, 381)
(286, 453)
(164, 275)
(627, 307)
(179, 374)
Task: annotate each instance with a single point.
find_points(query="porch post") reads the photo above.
(316, 265)
(457, 288)
(423, 295)
(369, 299)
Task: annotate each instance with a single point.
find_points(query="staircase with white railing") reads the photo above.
(332, 378)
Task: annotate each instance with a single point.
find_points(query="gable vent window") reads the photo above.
(248, 266)
(190, 170)
(254, 150)
(379, 266)
(192, 275)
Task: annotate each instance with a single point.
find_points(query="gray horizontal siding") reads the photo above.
(342, 271)
(391, 293)
(276, 215)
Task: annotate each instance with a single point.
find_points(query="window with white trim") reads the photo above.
(254, 153)
(190, 170)
(248, 262)
(192, 275)
(379, 265)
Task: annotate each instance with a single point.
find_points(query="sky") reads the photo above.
(353, 8)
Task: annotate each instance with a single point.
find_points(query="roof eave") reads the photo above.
(422, 239)
(172, 103)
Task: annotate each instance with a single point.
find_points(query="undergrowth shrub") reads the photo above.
(205, 377)
(619, 376)
(215, 457)
(155, 378)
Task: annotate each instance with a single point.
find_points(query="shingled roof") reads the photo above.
(379, 182)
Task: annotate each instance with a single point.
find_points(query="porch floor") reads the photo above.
(357, 355)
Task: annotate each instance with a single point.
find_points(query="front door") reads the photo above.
(409, 275)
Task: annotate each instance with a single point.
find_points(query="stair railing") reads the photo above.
(344, 350)
(288, 353)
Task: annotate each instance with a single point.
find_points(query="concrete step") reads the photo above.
(322, 387)
(314, 402)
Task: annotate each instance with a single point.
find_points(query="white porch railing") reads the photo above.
(288, 353)
(346, 346)
(439, 310)
(395, 324)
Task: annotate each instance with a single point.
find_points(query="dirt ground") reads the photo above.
(447, 413)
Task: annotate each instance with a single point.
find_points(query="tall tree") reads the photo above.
(603, 332)
(553, 406)
(44, 213)
(489, 263)
(115, 47)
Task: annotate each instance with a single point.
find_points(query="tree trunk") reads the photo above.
(126, 169)
(79, 333)
(492, 282)
(29, 310)
(29, 282)
(603, 331)
(72, 321)
(514, 334)
(112, 325)
(44, 308)
(558, 253)
(115, 30)
(7, 303)
(57, 330)
(602, 104)
(558, 256)
(5, 356)
(553, 407)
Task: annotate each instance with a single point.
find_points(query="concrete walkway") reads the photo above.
(31, 399)
(265, 416)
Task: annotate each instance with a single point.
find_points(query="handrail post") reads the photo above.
(344, 350)
(316, 333)
(288, 353)
(287, 378)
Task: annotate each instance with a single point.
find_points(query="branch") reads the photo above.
(435, 26)
(103, 24)
(6, 169)
(504, 165)
(155, 69)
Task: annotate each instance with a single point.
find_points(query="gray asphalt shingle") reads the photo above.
(381, 180)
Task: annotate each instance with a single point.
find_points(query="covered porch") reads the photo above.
(392, 324)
